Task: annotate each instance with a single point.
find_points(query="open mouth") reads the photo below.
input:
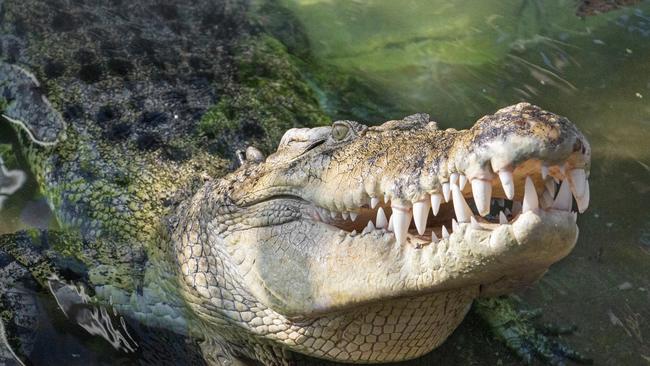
(483, 203)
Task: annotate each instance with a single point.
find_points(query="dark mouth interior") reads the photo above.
(502, 210)
(435, 223)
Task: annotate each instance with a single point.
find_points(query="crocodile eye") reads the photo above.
(340, 131)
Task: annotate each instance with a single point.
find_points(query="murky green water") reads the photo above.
(461, 60)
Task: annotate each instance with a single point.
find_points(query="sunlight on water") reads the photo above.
(458, 61)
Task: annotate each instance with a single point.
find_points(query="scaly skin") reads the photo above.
(113, 160)
(266, 268)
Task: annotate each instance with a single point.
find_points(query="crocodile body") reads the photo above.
(130, 117)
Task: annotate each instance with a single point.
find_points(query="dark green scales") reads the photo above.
(122, 111)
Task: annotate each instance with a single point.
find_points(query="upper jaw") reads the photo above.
(527, 163)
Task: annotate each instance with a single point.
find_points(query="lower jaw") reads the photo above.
(390, 331)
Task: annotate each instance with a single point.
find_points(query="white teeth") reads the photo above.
(502, 218)
(583, 202)
(434, 238)
(353, 233)
(401, 222)
(390, 223)
(501, 202)
(462, 180)
(453, 178)
(346, 215)
(436, 198)
(381, 220)
(507, 183)
(530, 196)
(578, 178)
(550, 186)
(563, 200)
(420, 214)
(386, 198)
(445, 233)
(575, 216)
(333, 214)
(369, 228)
(544, 172)
(461, 208)
(353, 215)
(482, 191)
(374, 201)
(454, 225)
(445, 191)
(474, 224)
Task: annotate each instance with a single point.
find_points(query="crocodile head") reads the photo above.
(368, 244)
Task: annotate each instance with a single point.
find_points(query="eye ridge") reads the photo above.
(340, 131)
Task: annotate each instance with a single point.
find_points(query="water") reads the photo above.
(458, 61)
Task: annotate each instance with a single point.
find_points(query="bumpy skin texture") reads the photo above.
(122, 108)
(147, 102)
(258, 261)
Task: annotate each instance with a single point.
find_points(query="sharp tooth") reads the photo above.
(435, 203)
(353, 215)
(381, 220)
(530, 196)
(474, 224)
(461, 208)
(453, 178)
(550, 186)
(544, 172)
(420, 214)
(434, 238)
(346, 215)
(501, 202)
(583, 202)
(578, 178)
(454, 225)
(507, 183)
(369, 228)
(374, 201)
(333, 214)
(563, 199)
(390, 223)
(445, 233)
(507, 211)
(445, 191)
(462, 180)
(575, 216)
(401, 220)
(482, 191)
(516, 207)
(502, 218)
(353, 233)
(386, 198)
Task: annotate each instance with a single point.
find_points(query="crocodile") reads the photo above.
(307, 252)
(327, 247)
